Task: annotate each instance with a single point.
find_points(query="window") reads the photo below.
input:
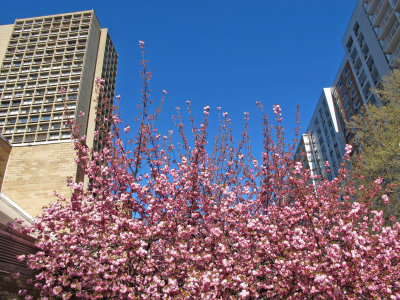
(23, 120)
(41, 137)
(366, 90)
(357, 103)
(362, 78)
(340, 83)
(349, 44)
(375, 76)
(57, 116)
(43, 127)
(370, 64)
(354, 55)
(45, 117)
(17, 139)
(53, 136)
(361, 39)
(34, 118)
(356, 28)
(357, 66)
(346, 102)
(353, 92)
(365, 51)
(55, 126)
(346, 71)
(349, 82)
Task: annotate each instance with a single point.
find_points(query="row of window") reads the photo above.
(53, 19)
(35, 118)
(18, 68)
(39, 137)
(38, 92)
(40, 84)
(41, 76)
(68, 43)
(40, 47)
(50, 27)
(35, 109)
(66, 69)
(37, 127)
(47, 56)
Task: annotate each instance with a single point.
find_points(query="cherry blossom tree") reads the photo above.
(174, 220)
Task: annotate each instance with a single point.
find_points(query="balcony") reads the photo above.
(393, 3)
(392, 38)
(386, 21)
(367, 6)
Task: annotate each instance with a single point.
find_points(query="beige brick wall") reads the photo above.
(5, 34)
(35, 172)
(5, 149)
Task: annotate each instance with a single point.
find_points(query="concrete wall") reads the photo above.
(88, 72)
(91, 125)
(5, 150)
(5, 34)
(35, 172)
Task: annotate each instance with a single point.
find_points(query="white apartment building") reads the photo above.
(324, 140)
(372, 48)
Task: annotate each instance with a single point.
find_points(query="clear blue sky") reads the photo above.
(226, 53)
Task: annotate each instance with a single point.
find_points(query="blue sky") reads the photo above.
(218, 53)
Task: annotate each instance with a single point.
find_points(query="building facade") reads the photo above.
(47, 63)
(372, 48)
(324, 140)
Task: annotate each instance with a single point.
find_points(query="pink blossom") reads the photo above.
(57, 290)
(277, 110)
(203, 217)
(348, 149)
(379, 180)
(244, 294)
(385, 199)
(21, 257)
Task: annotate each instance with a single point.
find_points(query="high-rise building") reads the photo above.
(46, 63)
(372, 48)
(324, 140)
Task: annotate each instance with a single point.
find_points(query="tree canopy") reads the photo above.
(377, 136)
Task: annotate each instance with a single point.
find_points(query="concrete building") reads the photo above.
(372, 48)
(40, 58)
(324, 140)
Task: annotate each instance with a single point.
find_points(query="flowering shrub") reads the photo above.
(163, 221)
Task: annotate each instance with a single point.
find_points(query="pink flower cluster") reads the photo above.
(165, 221)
